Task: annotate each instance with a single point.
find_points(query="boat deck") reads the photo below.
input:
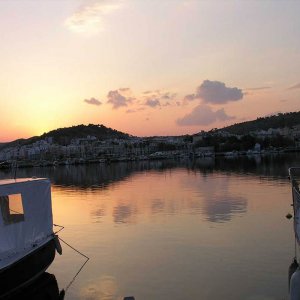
(20, 180)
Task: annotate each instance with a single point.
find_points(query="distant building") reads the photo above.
(49, 140)
(197, 138)
(257, 147)
(205, 150)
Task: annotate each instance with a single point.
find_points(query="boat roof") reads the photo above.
(20, 180)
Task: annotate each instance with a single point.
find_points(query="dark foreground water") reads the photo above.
(206, 229)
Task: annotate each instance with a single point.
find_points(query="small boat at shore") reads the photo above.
(27, 240)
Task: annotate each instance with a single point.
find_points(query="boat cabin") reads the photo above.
(25, 217)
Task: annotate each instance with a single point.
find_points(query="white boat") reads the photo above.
(27, 240)
(294, 174)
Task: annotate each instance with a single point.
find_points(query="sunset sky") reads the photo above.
(146, 67)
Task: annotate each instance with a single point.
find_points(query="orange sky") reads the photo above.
(145, 69)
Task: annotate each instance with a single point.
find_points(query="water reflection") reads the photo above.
(156, 194)
(217, 201)
(219, 196)
(174, 229)
(44, 287)
(270, 166)
(157, 206)
(220, 203)
(222, 208)
(101, 175)
(103, 288)
(122, 213)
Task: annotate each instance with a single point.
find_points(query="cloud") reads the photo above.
(190, 97)
(117, 100)
(168, 96)
(154, 99)
(158, 98)
(124, 89)
(152, 102)
(258, 88)
(92, 101)
(294, 87)
(128, 111)
(215, 92)
(89, 18)
(203, 115)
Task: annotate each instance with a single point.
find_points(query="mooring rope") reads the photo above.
(61, 228)
(87, 258)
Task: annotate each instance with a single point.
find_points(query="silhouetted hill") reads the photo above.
(277, 121)
(63, 136)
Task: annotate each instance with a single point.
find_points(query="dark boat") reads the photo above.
(27, 241)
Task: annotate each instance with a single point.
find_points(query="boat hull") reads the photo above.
(27, 269)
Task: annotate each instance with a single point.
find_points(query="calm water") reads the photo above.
(209, 229)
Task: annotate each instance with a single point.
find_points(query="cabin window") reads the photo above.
(12, 208)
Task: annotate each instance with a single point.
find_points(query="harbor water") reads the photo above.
(187, 229)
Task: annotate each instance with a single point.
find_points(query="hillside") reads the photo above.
(277, 121)
(63, 136)
(82, 131)
(18, 142)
